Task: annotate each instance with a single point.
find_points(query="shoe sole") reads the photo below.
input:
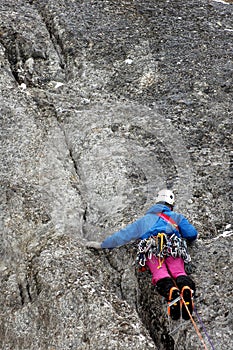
(186, 294)
(174, 309)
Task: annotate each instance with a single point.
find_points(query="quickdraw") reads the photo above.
(162, 246)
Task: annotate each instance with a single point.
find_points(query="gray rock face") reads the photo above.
(103, 103)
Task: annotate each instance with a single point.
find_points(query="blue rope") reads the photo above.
(203, 326)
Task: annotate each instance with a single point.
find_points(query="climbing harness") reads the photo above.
(162, 246)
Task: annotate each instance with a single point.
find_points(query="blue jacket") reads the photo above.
(151, 224)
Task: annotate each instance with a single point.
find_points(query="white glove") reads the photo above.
(92, 244)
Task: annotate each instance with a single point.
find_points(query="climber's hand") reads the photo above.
(92, 244)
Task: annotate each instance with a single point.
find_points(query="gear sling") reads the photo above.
(162, 246)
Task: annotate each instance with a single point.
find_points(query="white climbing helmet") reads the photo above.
(166, 196)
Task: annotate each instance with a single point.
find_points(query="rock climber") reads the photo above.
(162, 249)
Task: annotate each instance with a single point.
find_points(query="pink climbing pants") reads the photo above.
(171, 267)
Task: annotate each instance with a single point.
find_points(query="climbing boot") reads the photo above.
(183, 280)
(164, 285)
(186, 302)
(174, 303)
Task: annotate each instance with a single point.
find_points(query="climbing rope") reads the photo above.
(204, 329)
(194, 324)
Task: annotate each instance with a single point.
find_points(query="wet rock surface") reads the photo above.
(102, 104)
